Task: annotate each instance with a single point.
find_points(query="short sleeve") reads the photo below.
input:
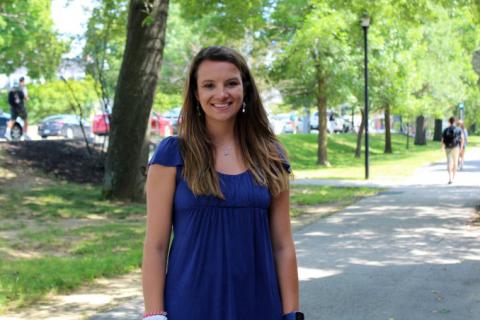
(283, 156)
(286, 163)
(167, 153)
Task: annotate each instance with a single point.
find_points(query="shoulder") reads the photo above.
(168, 153)
(282, 153)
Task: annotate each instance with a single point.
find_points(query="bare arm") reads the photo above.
(284, 251)
(160, 189)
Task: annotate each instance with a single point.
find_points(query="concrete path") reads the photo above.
(409, 253)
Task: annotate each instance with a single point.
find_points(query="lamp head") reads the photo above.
(365, 21)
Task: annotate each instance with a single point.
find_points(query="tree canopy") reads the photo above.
(27, 38)
(311, 51)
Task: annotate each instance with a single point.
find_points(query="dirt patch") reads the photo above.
(65, 159)
(90, 299)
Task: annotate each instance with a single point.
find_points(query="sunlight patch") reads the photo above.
(367, 262)
(306, 274)
(93, 299)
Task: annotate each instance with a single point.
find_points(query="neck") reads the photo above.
(221, 133)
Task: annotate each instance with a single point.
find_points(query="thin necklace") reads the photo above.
(226, 151)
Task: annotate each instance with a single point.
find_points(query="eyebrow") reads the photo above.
(209, 80)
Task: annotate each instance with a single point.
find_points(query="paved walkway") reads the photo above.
(407, 254)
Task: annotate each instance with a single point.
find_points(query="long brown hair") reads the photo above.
(262, 153)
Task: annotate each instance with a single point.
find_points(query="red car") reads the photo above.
(101, 124)
(158, 125)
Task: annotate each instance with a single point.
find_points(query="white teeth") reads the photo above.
(221, 105)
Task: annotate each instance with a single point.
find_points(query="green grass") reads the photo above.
(473, 141)
(302, 151)
(65, 200)
(109, 252)
(306, 195)
(58, 237)
(71, 258)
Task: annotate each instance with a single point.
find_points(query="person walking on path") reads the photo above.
(461, 158)
(452, 143)
(16, 100)
(222, 185)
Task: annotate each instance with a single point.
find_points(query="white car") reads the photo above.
(17, 129)
(335, 123)
(281, 123)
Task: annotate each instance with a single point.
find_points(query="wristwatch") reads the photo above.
(296, 315)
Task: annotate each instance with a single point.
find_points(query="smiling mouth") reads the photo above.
(221, 106)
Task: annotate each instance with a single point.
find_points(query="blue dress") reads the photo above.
(220, 264)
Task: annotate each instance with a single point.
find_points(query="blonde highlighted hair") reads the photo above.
(262, 153)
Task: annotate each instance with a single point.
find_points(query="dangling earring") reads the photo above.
(198, 110)
(243, 106)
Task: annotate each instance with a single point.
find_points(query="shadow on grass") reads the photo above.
(64, 201)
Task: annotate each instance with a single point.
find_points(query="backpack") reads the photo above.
(450, 138)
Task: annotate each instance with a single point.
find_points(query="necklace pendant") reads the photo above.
(226, 151)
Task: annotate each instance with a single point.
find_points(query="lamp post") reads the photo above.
(461, 107)
(365, 24)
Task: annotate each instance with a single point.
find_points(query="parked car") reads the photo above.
(281, 123)
(158, 125)
(335, 123)
(174, 116)
(17, 129)
(101, 124)
(63, 125)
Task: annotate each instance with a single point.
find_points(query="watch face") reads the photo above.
(299, 316)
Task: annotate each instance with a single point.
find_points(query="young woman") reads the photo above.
(461, 158)
(222, 185)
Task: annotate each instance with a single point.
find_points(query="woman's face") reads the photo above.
(219, 90)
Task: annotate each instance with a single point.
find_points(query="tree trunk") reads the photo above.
(127, 153)
(358, 150)
(420, 131)
(388, 132)
(437, 133)
(408, 135)
(322, 157)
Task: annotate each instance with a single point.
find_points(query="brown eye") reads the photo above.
(208, 86)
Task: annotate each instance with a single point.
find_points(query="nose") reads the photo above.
(221, 92)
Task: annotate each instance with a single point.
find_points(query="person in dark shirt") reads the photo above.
(16, 100)
(452, 143)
